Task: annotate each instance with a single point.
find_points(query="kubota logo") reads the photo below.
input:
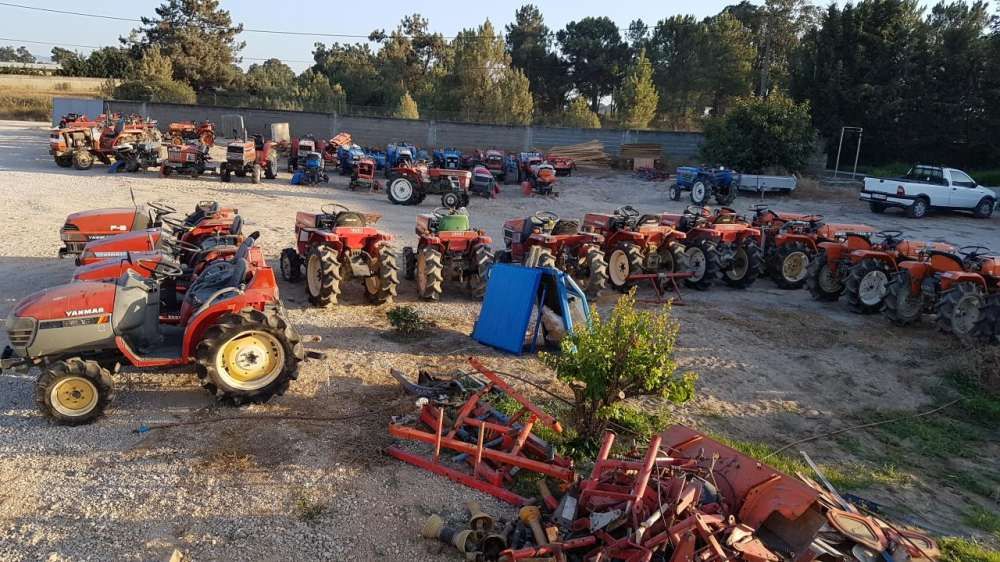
(85, 311)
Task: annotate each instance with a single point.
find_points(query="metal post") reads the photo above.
(836, 166)
(857, 154)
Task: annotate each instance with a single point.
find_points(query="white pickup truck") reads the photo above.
(927, 187)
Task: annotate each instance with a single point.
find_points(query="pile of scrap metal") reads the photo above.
(686, 498)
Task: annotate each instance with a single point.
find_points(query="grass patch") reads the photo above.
(307, 508)
(25, 107)
(984, 520)
(954, 549)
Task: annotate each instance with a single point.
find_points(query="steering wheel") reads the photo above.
(697, 211)
(178, 245)
(626, 211)
(332, 206)
(543, 217)
(161, 208)
(889, 235)
(970, 252)
(161, 269)
(812, 219)
(448, 211)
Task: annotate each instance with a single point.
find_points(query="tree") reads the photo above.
(412, 60)
(759, 133)
(172, 91)
(726, 61)
(70, 63)
(529, 43)
(578, 114)
(198, 37)
(407, 108)
(20, 54)
(153, 66)
(596, 55)
(354, 67)
(483, 82)
(637, 99)
(272, 85)
(317, 94)
(630, 354)
(109, 62)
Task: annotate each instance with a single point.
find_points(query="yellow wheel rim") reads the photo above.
(794, 268)
(251, 360)
(74, 396)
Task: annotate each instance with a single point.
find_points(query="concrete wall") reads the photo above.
(376, 131)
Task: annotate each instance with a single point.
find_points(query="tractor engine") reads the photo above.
(240, 154)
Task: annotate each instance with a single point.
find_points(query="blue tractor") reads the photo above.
(448, 158)
(311, 169)
(399, 155)
(704, 183)
(348, 157)
(378, 156)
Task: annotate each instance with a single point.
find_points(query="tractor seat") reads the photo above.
(648, 220)
(349, 219)
(218, 275)
(564, 227)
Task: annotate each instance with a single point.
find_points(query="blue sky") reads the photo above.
(326, 16)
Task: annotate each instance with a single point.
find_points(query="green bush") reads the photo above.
(758, 134)
(406, 320)
(166, 91)
(628, 355)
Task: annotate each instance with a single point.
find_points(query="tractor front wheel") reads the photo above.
(225, 174)
(430, 274)
(791, 265)
(625, 260)
(596, 268)
(323, 276)
(249, 356)
(745, 266)
(383, 287)
(482, 258)
(271, 170)
(867, 286)
(74, 391)
(83, 160)
(700, 192)
(291, 265)
(703, 263)
(958, 310)
(674, 192)
(823, 283)
(902, 307)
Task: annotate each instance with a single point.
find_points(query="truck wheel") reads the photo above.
(291, 265)
(876, 207)
(984, 209)
(382, 288)
(74, 391)
(255, 173)
(430, 274)
(249, 356)
(323, 276)
(918, 209)
(83, 160)
(402, 192)
(699, 192)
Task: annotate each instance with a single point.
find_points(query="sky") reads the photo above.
(323, 16)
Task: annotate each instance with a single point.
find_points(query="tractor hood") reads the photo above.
(73, 300)
(110, 221)
(120, 245)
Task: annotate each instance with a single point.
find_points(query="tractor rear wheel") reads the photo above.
(249, 356)
(745, 267)
(323, 275)
(726, 195)
(291, 265)
(255, 173)
(672, 258)
(597, 271)
(225, 174)
(791, 265)
(867, 285)
(958, 309)
(382, 288)
(83, 160)
(625, 260)
(402, 192)
(430, 274)
(271, 170)
(987, 328)
(409, 264)
(700, 192)
(482, 258)
(823, 283)
(74, 391)
(901, 306)
(703, 263)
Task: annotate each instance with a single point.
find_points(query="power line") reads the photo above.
(51, 44)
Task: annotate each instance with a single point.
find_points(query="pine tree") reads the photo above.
(637, 99)
(484, 83)
(578, 114)
(407, 108)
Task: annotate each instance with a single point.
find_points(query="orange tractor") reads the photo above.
(717, 243)
(253, 157)
(957, 287)
(186, 131)
(829, 270)
(635, 244)
(448, 248)
(869, 271)
(545, 240)
(337, 244)
(80, 142)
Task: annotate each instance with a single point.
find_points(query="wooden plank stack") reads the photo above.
(641, 155)
(584, 154)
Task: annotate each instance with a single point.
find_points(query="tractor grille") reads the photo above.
(20, 331)
(70, 227)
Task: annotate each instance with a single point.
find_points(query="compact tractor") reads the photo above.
(348, 156)
(954, 286)
(187, 131)
(399, 155)
(448, 248)
(230, 325)
(84, 226)
(545, 240)
(870, 271)
(132, 157)
(828, 271)
(448, 158)
(363, 175)
(80, 142)
(717, 243)
(300, 148)
(252, 157)
(635, 244)
(483, 183)
(540, 179)
(410, 185)
(337, 244)
(563, 166)
(705, 183)
(190, 158)
(495, 162)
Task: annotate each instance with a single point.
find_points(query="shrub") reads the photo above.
(757, 134)
(630, 354)
(406, 320)
(167, 91)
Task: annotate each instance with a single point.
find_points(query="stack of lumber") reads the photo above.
(633, 151)
(584, 154)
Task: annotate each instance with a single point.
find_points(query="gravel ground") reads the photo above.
(774, 366)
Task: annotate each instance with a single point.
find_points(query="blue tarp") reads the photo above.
(506, 311)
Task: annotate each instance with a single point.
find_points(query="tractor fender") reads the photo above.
(255, 297)
(857, 256)
(950, 278)
(834, 250)
(431, 242)
(808, 241)
(917, 270)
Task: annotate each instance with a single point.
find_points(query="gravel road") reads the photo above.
(258, 489)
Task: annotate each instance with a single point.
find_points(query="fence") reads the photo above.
(379, 131)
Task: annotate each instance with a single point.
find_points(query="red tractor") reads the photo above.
(83, 226)
(539, 179)
(563, 166)
(829, 270)
(448, 248)
(956, 287)
(230, 325)
(363, 175)
(495, 162)
(717, 243)
(412, 183)
(183, 132)
(255, 158)
(635, 243)
(337, 244)
(870, 271)
(191, 158)
(545, 240)
(211, 221)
